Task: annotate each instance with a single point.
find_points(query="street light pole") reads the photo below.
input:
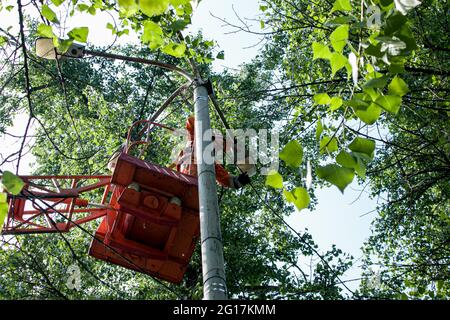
(214, 283)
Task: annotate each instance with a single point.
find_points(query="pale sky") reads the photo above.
(336, 219)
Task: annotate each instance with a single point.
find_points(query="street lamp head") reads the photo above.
(47, 50)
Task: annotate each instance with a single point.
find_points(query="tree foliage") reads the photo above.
(357, 90)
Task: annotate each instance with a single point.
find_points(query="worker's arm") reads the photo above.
(229, 181)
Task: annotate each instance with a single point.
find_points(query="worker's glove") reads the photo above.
(241, 180)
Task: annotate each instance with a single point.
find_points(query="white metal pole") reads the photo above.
(214, 283)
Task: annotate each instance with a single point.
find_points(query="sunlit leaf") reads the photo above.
(363, 145)
(177, 3)
(339, 176)
(328, 144)
(3, 213)
(335, 103)
(3, 41)
(398, 87)
(45, 31)
(12, 183)
(341, 5)
(322, 98)
(274, 179)
(153, 7)
(368, 114)
(175, 49)
(128, 7)
(339, 37)
(49, 13)
(299, 197)
(292, 153)
(337, 61)
(153, 35)
(319, 129)
(57, 2)
(320, 51)
(79, 34)
(389, 103)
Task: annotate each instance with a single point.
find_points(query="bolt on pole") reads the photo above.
(214, 283)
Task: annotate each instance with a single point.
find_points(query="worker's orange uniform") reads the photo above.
(186, 161)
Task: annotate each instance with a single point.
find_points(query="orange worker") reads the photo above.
(186, 163)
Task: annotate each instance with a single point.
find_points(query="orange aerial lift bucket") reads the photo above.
(156, 227)
(150, 214)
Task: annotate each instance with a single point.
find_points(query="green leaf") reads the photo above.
(3, 197)
(406, 35)
(346, 160)
(299, 197)
(45, 31)
(3, 214)
(394, 23)
(220, 55)
(153, 7)
(319, 129)
(340, 20)
(79, 34)
(335, 103)
(339, 176)
(353, 161)
(274, 180)
(3, 41)
(177, 3)
(322, 98)
(320, 51)
(376, 83)
(398, 87)
(337, 61)
(64, 45)
(57, 2)
(175, 49)
(82, 7)
(339, 37)
(374, 50)
(49, 14)
(369, 114)
(341, 5)
(153, 35)
(179, 24)
(292, 153)
(389, 103)
(12, 183)
(128, 7)
(363, 145)
(328, 144)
